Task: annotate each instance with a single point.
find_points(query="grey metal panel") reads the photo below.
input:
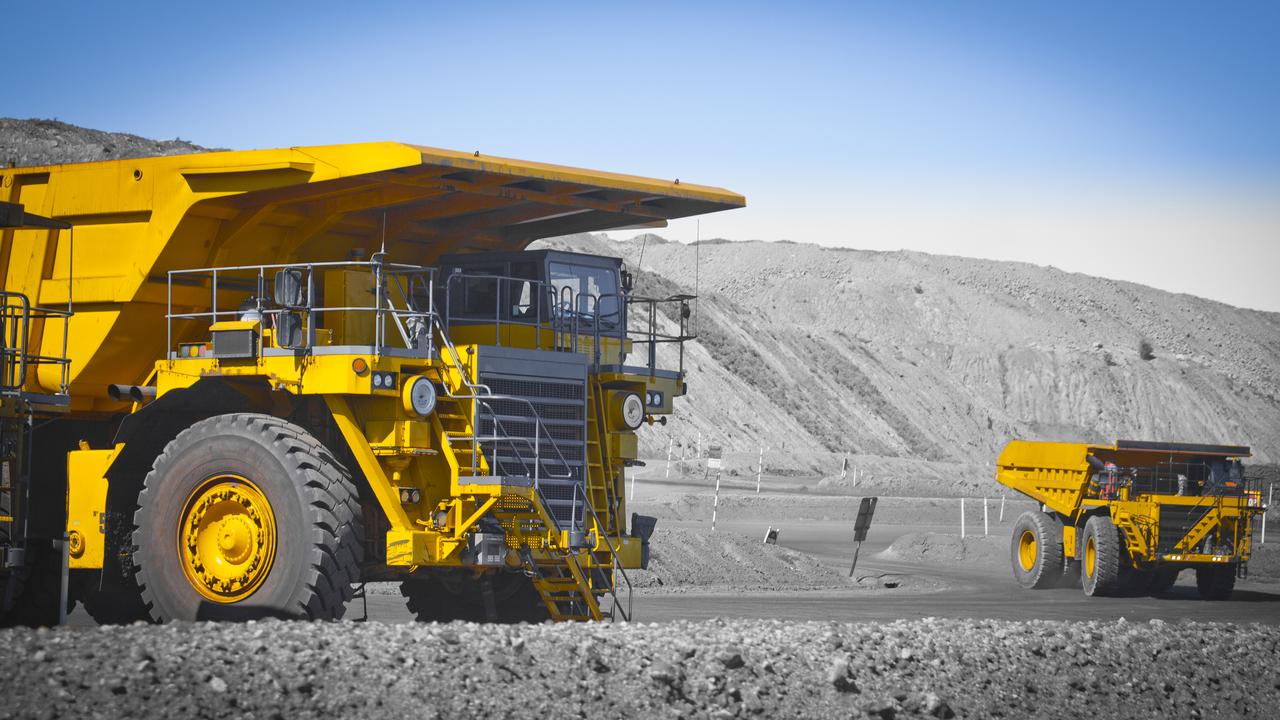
(543, 364)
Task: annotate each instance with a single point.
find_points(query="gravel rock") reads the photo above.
(716, 668)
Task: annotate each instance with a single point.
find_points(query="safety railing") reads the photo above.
(1188, 479)
(255, 296)
(17, 317)
(676, 310)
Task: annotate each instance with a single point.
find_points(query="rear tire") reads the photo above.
(512, 599)
(1216, 582)
(1036, 551)
(1162, 581)
(1102, 558)
(246, 516)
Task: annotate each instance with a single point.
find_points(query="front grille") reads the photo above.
(560, 403)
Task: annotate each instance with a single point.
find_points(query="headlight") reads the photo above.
(420, 396)
(383, 381)
(632, 410)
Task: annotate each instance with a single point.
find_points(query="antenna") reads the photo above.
(697, 265)
(384, 232)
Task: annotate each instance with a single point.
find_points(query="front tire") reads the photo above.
(1216, 582)
(1102, 558)
(246, 516)
(1036, 551)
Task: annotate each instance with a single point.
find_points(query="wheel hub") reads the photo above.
(1027, 551)
(227, 538)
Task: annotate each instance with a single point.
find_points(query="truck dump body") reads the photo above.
(135, 220)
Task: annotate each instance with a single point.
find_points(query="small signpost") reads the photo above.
(866, 509)
(715, 453)
(771, 535)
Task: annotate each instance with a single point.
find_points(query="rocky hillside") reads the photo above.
(902, 356)
(49, 142)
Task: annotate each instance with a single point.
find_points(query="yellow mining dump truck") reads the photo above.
(1128, 518)
(241, 383)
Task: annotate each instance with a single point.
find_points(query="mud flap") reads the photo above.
(642, 527)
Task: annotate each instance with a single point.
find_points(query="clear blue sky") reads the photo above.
(1138, 141)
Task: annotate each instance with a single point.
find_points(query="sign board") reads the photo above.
(715, 453)
(863, 523)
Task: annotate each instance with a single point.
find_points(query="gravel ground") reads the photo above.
(717, 669)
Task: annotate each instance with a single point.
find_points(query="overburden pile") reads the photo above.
(719, 669)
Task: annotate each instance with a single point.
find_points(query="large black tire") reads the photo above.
(1036, 551)
(1102, 558)
(113, 606)
(1161, 581)
(511, 599)
(1216, 582)
(35, 589)
(312, 501)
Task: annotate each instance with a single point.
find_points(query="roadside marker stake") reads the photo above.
(1001, 520)
(713, 463)
(670, 442)
(759, 469)
(961, 518)
(1271, 495)
(986, 529)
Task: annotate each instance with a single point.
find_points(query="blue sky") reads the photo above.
(1139, 141)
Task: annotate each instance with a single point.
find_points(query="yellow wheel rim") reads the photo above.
(1027, 550)
(226, 538)
(1090, 557)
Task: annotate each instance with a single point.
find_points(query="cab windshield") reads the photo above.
(588, 293)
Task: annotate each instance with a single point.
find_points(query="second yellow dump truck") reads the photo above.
(1128, 518)
(241, 384)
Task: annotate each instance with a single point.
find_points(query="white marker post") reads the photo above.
(713, 463)
(1271, 495)
(986, 528)
(1001, 520)
(670, 443)
(759, 469)
(961, 518)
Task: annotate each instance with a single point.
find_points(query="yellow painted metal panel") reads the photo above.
(86, 500)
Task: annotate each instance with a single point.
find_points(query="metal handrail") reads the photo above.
(383, 273)
(652, 337)
(14, 337)
(613, 554)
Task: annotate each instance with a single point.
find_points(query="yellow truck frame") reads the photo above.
(289, 372)
(1128, 518)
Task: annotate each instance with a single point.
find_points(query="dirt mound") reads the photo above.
(1264, 562)
(693, 559)
(944, 549)
(686, 669)
(49, 142)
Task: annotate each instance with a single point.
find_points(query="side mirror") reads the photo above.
(628, 281)
(288, 288)
(289, 330)
(684, 310)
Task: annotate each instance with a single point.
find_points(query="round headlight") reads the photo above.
(632, 410)
(420, 396)
(377, 380)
